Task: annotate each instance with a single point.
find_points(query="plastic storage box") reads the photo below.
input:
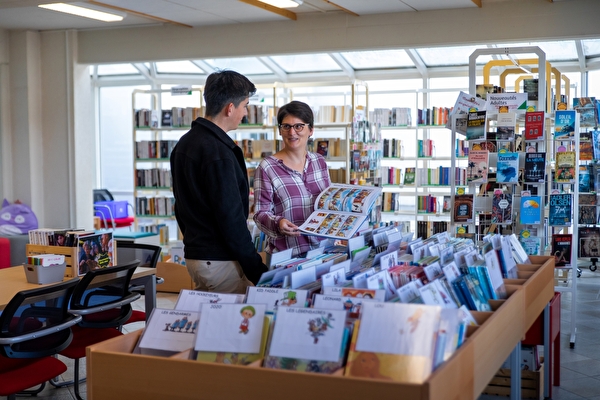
(40, 274)
(105, 208)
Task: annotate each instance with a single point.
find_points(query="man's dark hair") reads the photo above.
(296, 109)
(224, 87)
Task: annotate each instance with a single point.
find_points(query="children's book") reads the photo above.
(340, 210)
(564, 124)
(560, 209)
(531, 209)
(586, 108)
(565, 167)
(585, 176)
(409, 176)
(494, 274)
(308, 339)
(502, 207)
(168, 332)
(586, 148)
(476, 123)
(561, 249)
(534, 125)
(95, 251)
(477, 169)
(395, 342)
(535, 167)
(463, 208)
(587, 209)
(505, 126)
(531, 244)
(192, 300)
(276, 297)
(589, 241)
(507, 170)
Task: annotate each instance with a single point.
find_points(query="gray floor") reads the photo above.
(580, 366)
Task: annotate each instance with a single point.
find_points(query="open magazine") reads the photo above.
(340, 210)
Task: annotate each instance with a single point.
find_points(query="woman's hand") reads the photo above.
(288, 229)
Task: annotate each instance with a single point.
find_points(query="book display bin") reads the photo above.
(113, 371)
(70, 254)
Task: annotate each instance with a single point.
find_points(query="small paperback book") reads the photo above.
(565, 167)
(192, 300)
(308, 339)
(531, 210)
(531, 244)
(564, 124)
(586, 148)
(409, 176)
(561, 249)
(477, 169)
(340, 210)
(589, 241)
(276, 297)
(502, 207)
(587, 209)
(476, 123)
(534, 125)
(586, 108)
(596, 143)
(168, 332)
(505, 126)
(535, 167)
(395, 342)
(560, 209)
(463, 208)
(507, 168)
(585, 178)
(230, 328)
(464, 103)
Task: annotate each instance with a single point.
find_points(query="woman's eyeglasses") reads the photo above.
(297, 127)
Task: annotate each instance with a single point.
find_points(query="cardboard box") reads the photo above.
(532, 384)
(176, 277)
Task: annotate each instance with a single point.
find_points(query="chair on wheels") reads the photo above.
(149, 255)
(35, 326)
(103, 300)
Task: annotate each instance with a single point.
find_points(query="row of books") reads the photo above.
(327, 147)
(396, 116)
(154, 148)
(162, 230)
(333, 114)
(57, 237)
(176, 117)
(153, 177)
(426, 229)
(433, 116)
(158, 205)
(425, 148)
(427, 204)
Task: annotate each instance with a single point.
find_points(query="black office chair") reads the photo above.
(102, 195)
(35, 326)
(103, 300)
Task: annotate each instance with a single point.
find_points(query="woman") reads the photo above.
(287, 183)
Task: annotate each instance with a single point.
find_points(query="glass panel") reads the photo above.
(439, 56)
(182, 67)
(591, 48)
(117, 69)
(378, 59)
(559, 50)
(246, 66)
(594, 83)
(306, 63)
(168, 101)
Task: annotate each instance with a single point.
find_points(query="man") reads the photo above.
(210, 185)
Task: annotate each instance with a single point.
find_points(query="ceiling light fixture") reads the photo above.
(83, 12)
(282, 3)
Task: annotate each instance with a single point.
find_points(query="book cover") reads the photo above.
(535, 167)
(589, 241)
(409, 176)
(446, 205)
(596, 143)
(586, 148)
(494, 275)
(507, 170)
(565, 167)
(463, 104)
(534, 125)
(502, 207)
(395, 341)
(587, 209)
(95, 252)
(340, 210)
(585, 176)
(192, 300)
(561, 249)
(506, 126)
(530, 210)
(586, 108)
(168, 332)
(477, 169)
(531, 244)
(564, 124)
(323, 147)
(276, 297)
(476, 123)
(463, 208)
(560, 209)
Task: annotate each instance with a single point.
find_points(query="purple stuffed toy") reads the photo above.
(16, 218)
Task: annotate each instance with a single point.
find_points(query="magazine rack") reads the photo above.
(113, 370)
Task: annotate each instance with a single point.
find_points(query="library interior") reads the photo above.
(458, 240)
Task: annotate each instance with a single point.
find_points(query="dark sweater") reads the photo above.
(210, 185)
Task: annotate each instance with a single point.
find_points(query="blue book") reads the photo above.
(507, 168)
(564, 124)
(530, 210)
(560, 210)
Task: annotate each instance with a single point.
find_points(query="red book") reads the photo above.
(534, 125)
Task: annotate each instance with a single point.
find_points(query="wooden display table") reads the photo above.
(113, 371)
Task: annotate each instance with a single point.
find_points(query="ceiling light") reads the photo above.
(83, 12)
(282, 3)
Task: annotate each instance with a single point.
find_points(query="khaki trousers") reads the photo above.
(217, 276)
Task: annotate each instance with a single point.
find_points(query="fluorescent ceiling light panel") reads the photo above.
(282, 3)
(83, 12)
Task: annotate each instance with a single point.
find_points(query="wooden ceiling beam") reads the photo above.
(477, 3)
(281, 11)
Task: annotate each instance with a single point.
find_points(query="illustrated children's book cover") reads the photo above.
(507, 170)
(502, 207)
(560, 209)
(561, 249)
(534, 125)
(476, 123)
(340, 210)
(192, 300)
(276, 297)
(565, 167)
(530, 212)
(589, 241)
(168, 332)
(531, 244)
(535, 167)
(564, 124)
(477, 169)
(95, 252)
(395, 342)
(308, 339)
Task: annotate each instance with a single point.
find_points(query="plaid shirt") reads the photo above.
(281, 192)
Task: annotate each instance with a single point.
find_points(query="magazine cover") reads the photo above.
(507, 168)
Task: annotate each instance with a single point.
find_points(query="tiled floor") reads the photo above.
(580, 367)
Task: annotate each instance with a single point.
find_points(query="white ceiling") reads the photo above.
(24, 14)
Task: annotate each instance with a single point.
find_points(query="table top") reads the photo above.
(13, 280)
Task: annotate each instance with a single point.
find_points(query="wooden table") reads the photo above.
(13, 280)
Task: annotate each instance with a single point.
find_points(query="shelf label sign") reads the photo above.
(181, 90)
